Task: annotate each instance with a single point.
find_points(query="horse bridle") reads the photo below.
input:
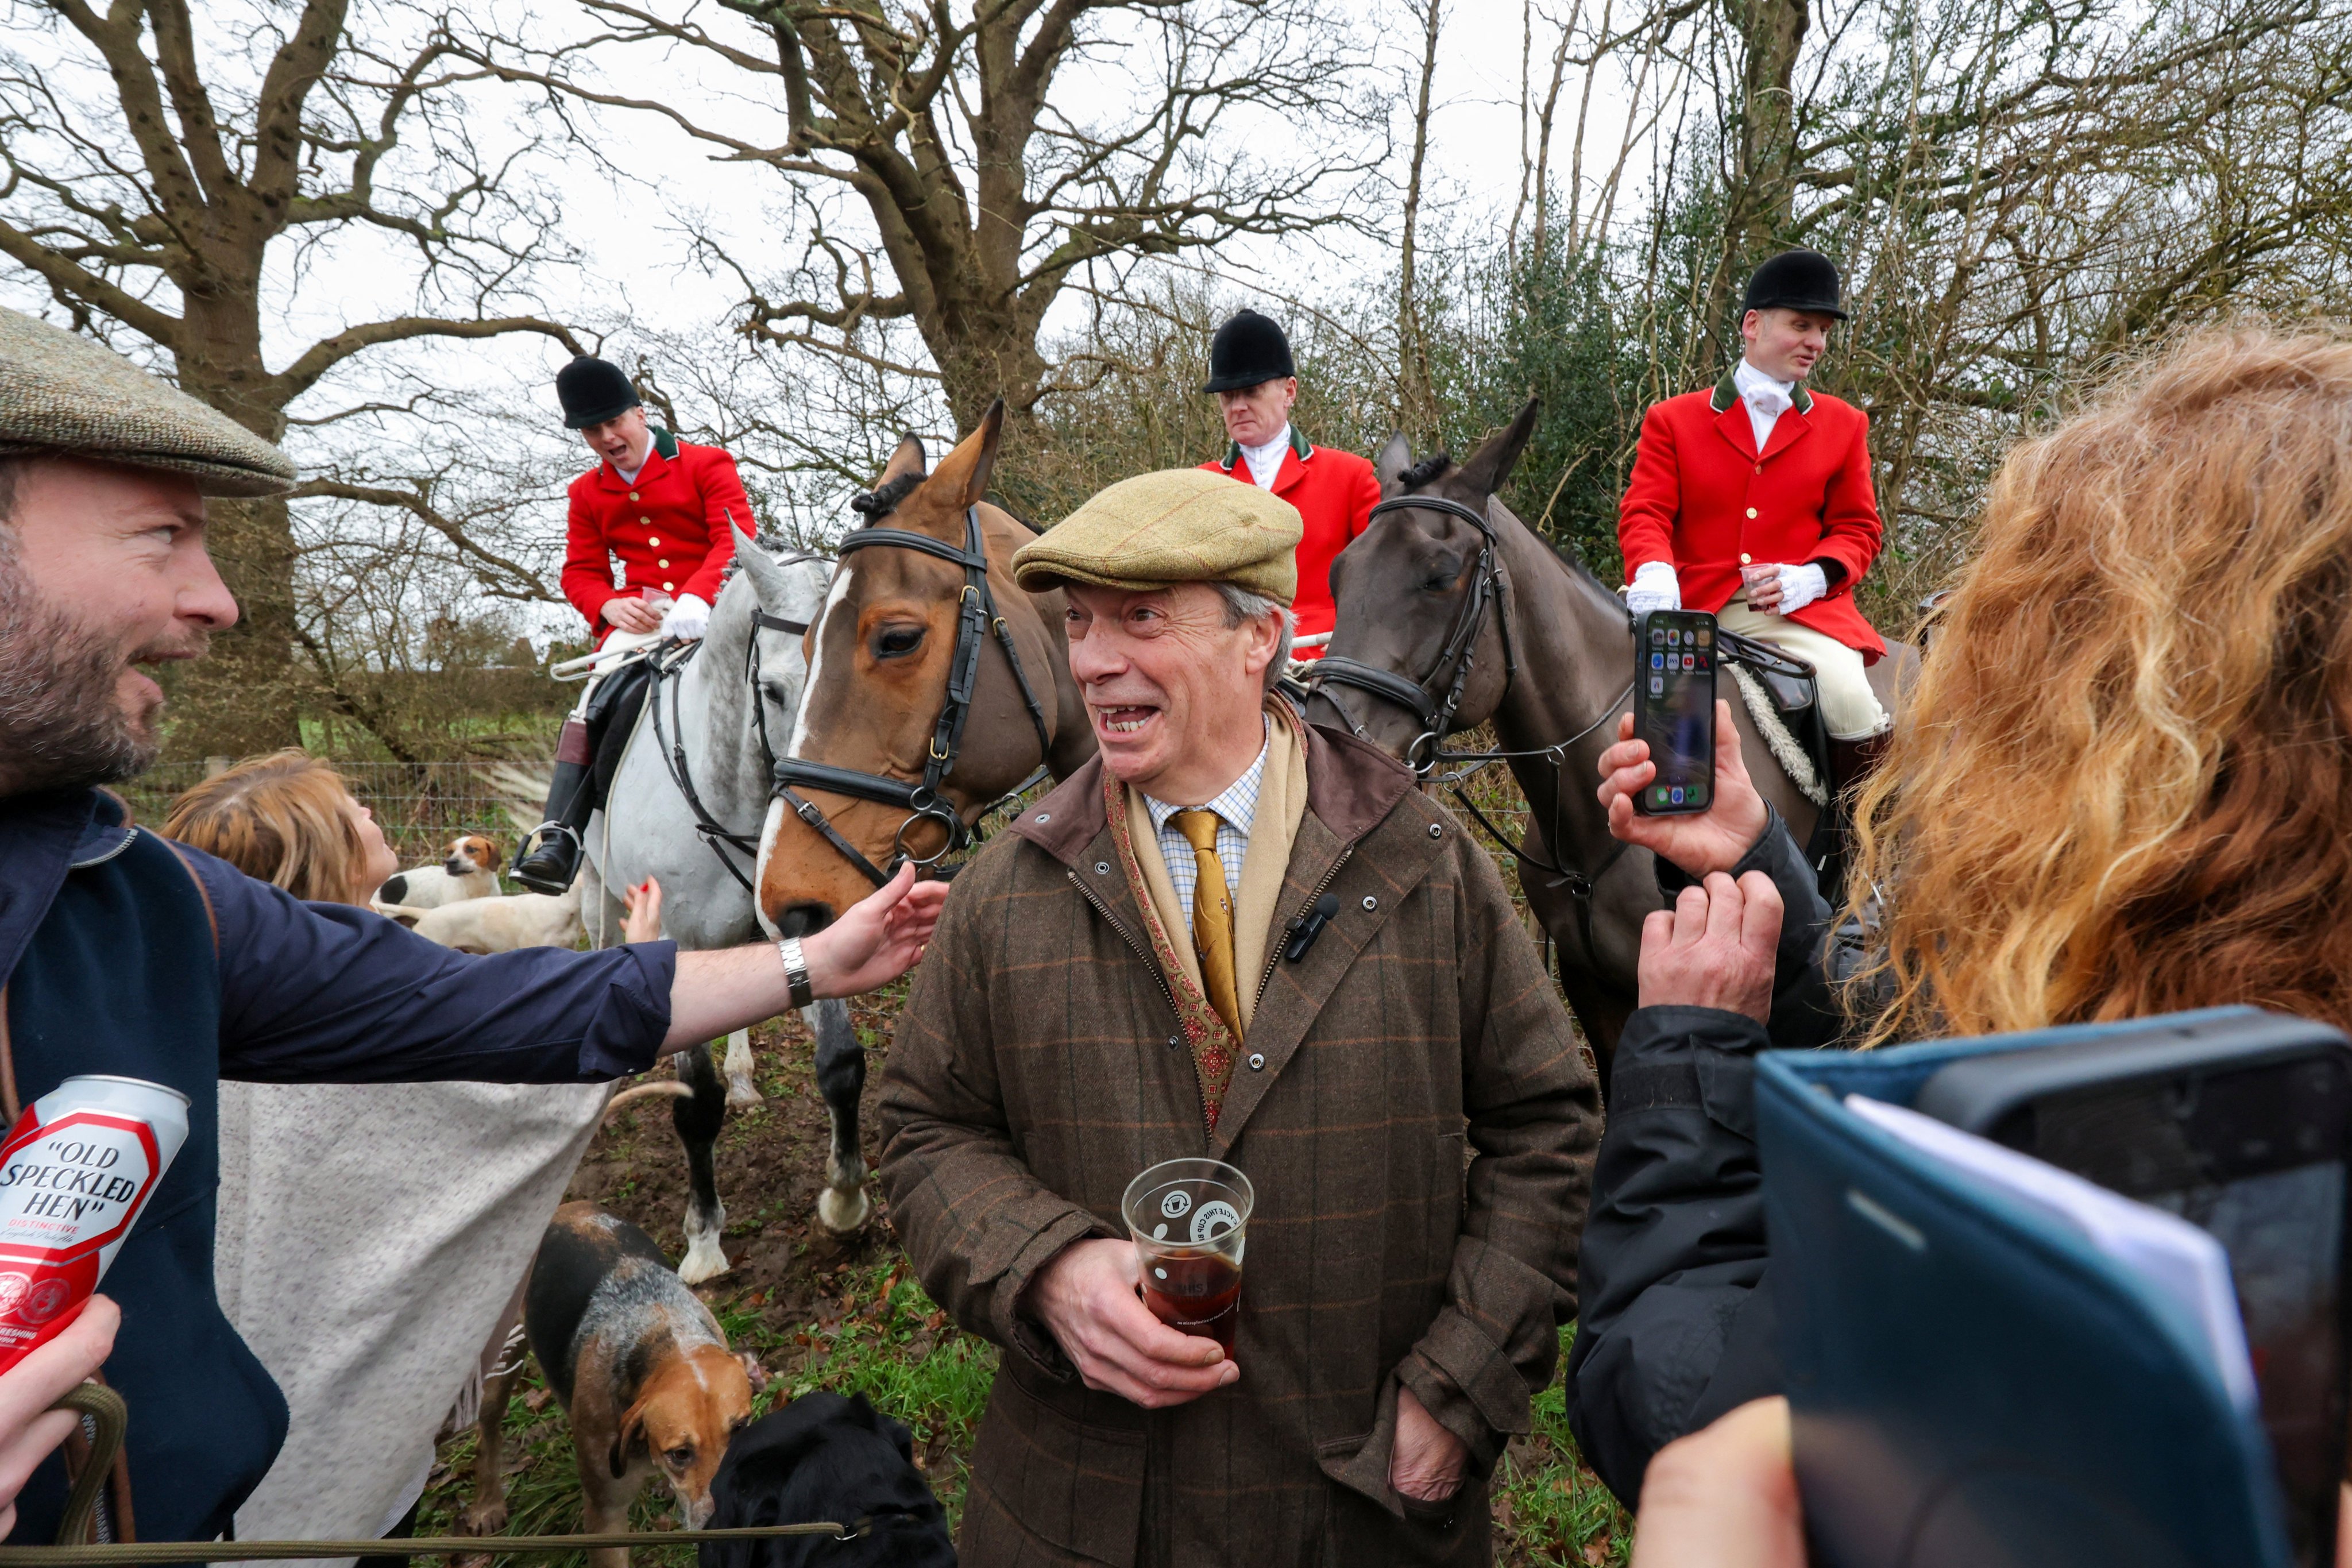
(1459, 656)
(976, 617)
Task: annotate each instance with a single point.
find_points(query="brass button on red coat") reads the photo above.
(665, 567)
(1760, 468)
(1751, 512)
(654, 539)
(648, 522)
(667, 587)
(634, 496)
(1746, 559)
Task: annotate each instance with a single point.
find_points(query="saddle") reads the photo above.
(1794, 692)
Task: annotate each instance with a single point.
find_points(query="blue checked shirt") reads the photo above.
(1236, 809)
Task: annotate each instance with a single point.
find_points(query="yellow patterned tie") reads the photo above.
(1212, 916)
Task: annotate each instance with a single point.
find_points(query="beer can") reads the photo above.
(75, 1171)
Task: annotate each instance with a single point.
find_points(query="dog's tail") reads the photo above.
(668, 1088)
(406, 914)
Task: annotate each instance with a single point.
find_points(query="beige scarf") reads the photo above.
(1281, 806)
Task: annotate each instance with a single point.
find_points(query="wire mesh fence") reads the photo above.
(421, 805)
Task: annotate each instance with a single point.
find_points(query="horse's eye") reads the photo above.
(898, 641)
(1437, 583)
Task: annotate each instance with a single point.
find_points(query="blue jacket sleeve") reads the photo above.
(335, 993)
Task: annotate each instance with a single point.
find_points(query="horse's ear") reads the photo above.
(767, 578)
(907, 459)
(1394, 458)
(962, 474)
(1491, 464)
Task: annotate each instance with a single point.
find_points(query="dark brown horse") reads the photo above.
(935, 686)
(1549, 662)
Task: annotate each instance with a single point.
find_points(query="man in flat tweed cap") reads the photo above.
(1235, 935)
(124, 954)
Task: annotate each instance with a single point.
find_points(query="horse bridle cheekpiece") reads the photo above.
(976, 617)
(1458, 656)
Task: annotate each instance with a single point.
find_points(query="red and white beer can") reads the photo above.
(75, 1172)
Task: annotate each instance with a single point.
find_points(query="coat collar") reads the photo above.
(1727, 396)
(662, 452)
(42, 837)
(1350, 787)
(1299, 446)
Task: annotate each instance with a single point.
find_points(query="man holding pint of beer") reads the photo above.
(1235, 1006)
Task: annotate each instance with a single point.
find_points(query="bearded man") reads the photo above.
(122, 953)
(1235, 935)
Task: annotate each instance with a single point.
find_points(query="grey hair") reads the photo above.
(1243, 606)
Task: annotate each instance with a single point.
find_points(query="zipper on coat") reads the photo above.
(1274, 949)
(1141, 952)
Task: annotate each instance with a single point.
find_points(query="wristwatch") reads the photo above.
(796, 974)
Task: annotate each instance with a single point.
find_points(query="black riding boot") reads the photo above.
(550, 867)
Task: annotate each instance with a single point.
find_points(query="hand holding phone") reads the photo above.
(1714, 840)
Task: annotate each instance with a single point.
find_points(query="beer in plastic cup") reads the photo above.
(1190, 1219)
(75, 1172)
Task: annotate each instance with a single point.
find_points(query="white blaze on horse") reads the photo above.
(684, 807)
(1453, 614)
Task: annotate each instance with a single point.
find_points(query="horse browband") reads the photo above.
(1459, 654)
(976, 617)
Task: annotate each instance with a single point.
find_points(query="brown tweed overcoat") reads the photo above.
(1410, 1105)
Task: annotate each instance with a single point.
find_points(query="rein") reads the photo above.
(976, 618)
(669, 667)
(1459, 656)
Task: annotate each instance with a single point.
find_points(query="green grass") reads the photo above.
(1549, 1509)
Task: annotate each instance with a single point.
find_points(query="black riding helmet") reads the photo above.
(592, 391)
(1247, 350)
(1795, 280)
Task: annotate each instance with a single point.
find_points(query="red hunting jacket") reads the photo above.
(1703, 500)
(669, 528)
(1334, 492)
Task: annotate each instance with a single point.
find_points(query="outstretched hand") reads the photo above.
(1700, 841)
(879, 939)
(643, 921)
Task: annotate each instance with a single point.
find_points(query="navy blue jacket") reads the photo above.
(122, 953)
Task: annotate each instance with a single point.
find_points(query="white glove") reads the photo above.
(688, 618)
(1801, 586)
(1655, 587)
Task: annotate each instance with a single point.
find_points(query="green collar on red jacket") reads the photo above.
(1298, 444)
(1726, 392)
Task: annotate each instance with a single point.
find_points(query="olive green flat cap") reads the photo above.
(62, 395)
(1180, 525)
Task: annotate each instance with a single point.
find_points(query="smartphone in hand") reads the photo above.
(1673, 709)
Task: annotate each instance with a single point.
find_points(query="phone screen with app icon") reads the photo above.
(1674, 708)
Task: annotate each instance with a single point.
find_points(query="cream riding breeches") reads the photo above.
(1850, 709)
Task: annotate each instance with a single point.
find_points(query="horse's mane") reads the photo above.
(1427, 469)
(879, 502)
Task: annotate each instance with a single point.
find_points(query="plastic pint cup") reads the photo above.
(1190, 1219)
(75, 1171)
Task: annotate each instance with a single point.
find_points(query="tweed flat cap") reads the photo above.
(67, 397)
(1180, 525)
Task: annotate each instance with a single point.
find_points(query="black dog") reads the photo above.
(825, 1457)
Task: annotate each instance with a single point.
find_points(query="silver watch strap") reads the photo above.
(796, 974)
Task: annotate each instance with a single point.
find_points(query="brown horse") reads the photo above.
(1549, 661)
(881, 765)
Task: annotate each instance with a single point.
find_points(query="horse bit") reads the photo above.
(976, 617)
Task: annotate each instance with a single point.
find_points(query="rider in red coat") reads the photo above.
(1251, 372)
(667, 512)
(1753, 502)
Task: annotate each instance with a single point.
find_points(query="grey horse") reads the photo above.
(649, 828)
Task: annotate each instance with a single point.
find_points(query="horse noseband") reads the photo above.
(1459, 656)
(976, 617)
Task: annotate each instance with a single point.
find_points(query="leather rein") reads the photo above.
(976, 620)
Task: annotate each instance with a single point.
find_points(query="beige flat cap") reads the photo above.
(67, 397)
(1180, 525)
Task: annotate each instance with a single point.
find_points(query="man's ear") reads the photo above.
(629, 1442)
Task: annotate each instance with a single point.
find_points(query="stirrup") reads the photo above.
(545, 833)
